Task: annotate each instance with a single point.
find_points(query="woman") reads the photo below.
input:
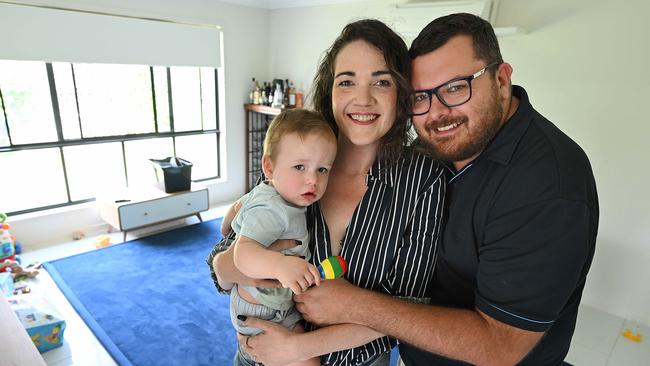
(383, 206)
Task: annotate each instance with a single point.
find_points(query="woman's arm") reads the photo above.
(230, 215)
(277, 345)
(256, 261)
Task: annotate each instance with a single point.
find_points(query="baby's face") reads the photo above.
(301, 168)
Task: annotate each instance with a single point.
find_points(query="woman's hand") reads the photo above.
(276, 345)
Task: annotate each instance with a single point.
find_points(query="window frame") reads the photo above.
(61, 142)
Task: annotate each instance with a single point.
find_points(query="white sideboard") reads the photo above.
(138, 207)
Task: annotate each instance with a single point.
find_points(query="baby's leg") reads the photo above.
(310, 362)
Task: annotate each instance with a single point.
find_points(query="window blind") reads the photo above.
(47, 34)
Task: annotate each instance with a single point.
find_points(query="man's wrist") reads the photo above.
(359, 305)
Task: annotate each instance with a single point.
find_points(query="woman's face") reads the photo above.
(364, 94)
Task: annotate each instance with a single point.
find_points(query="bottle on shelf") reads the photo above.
(285, 94)
(292, 95)
(299, 96)
(269, 94)
(264, 99)
(251, 92)
(277, 96)
(257, 95)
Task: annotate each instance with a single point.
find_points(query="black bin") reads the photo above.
(176, 172)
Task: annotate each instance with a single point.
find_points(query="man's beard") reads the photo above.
(481, 132)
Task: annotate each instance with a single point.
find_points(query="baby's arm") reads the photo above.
(230, 215)
(256, 261)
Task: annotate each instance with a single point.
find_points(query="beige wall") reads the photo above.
(584, 64)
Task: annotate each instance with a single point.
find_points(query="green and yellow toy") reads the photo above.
(332, 267)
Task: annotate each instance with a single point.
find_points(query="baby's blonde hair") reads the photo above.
(300, 121)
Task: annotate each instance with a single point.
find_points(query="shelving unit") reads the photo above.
(258, 118)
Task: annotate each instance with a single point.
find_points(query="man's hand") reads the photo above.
(297, 274)
(330, 303)
(273, 346)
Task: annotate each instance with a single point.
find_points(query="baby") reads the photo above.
(299, 150)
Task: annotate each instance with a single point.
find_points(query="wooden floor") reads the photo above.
(598, 339)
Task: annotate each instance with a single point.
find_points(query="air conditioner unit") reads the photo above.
(409, 18)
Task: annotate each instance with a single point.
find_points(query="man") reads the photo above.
(522, 220)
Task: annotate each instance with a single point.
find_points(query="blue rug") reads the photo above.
(151, 301)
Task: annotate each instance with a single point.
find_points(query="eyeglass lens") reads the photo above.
(452, 94)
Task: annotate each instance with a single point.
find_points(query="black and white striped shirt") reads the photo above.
(390, 243)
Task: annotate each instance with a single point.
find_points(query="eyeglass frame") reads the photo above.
(434, 91)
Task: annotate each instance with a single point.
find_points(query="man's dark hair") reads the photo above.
(439, 31)
(395, 53)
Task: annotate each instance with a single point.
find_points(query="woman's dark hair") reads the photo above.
(395, 53)
(439, 31)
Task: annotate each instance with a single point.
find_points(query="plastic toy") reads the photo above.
(17, 270)
(21, 287)
(42, 322)
(7, 242)
(634, 337)
(102, 241)
(332, 267)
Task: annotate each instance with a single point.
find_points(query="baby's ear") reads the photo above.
(267, 167)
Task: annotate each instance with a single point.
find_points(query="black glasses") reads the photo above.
(452, 93)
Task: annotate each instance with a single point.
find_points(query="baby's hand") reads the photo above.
(297, 274)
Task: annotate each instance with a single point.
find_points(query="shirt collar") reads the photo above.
(383, 172)
(504, 143)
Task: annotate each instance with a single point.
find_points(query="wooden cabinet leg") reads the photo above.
(199, 216)
(124, 238)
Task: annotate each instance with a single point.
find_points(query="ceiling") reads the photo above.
(281, 4)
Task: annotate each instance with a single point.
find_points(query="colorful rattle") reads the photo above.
(332, 267)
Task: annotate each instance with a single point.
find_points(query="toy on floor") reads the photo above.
(102, 241)
(17, 271)
(21, 287)
(634, 337)
(332, 267)
(9, 262)
(7, 242)
(41, 320)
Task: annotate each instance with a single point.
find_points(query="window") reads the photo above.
(71, 130)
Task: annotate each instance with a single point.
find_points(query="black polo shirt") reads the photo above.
(520, 235)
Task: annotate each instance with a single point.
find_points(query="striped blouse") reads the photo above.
(390, 243)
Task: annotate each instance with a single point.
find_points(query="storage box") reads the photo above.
(176, 173)
(6, 284)
(43, 324)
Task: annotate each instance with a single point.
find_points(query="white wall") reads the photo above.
(585, 68)
(299, 36)
(584, 64)
(246, 47)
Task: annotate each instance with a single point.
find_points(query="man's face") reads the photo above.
(458, 134)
